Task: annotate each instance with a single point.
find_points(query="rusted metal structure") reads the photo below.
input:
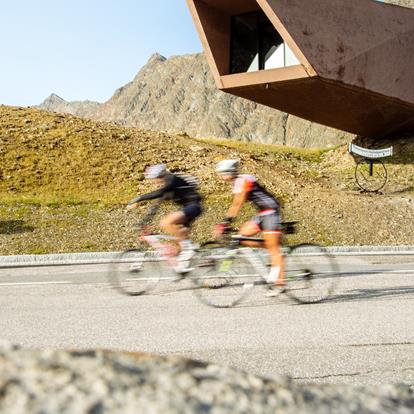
(348, 64)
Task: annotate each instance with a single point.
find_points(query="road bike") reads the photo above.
(137, 271)
(225, 272)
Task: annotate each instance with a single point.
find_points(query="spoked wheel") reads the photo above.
(222, 277)
(370, 175)
(311, 273)
(134, 272)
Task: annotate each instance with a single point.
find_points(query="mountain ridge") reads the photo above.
(178, 94)
(83, 109)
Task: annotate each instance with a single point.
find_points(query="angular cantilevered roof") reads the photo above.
(355, 61)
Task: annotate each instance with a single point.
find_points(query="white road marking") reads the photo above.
(400, 271)
(64, 282)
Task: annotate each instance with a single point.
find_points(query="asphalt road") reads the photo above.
(364, 335)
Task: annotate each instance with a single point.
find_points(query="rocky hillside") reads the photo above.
(64, 183)
(179, 95)
(49, 382)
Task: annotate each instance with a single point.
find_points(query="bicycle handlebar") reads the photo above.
(153, 209)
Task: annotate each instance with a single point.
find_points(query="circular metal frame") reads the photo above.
(371, 175)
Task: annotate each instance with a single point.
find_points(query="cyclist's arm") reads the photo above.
(169, 186)
(133, 204)
(238, 200)
(149, 196)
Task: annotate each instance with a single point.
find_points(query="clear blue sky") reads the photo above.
(85, 49)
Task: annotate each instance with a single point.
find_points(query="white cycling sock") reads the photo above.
(273, 274)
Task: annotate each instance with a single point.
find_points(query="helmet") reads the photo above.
(156, 171)
(228, 167)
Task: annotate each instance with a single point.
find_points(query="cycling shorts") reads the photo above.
(268, 220)
(191, 212)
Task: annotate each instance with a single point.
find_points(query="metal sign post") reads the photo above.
(370, 172)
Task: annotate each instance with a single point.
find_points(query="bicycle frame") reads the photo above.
(154, 240)
(247, 252)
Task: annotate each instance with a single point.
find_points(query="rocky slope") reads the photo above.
(50, 382)
(179, 95)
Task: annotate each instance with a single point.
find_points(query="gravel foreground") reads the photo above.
(47, 381)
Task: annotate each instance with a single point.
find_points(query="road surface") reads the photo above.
(364, 335)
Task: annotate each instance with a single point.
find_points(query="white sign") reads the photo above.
(367, 153)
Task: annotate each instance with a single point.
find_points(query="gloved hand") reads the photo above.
(223, 227)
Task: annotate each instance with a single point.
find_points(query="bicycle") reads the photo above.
(225, 272)
(135, 272)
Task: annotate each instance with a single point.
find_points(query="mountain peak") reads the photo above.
(156, 58)
(54, 98)
(55, 103)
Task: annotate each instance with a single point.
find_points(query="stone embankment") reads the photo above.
(94, 382)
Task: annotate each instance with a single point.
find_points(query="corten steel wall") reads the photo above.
(356, 57)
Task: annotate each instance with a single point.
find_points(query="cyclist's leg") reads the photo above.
(174, 225)
(250, 229)
(186, 246)
(178, 224)
(273, 246)
(191, 212)
(271, 226)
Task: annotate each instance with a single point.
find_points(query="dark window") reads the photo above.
(253, 42)
(244, 43)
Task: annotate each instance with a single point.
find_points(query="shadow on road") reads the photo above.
(352, 295)
(14, 227)
(374, 293)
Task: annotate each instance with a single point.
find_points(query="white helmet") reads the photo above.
(156, 171)
(228, 167)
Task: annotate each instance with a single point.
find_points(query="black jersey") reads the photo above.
(179, 188)
(257, 194)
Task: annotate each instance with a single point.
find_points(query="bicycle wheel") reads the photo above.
(134, 272)
(222, 276)
(311, 273)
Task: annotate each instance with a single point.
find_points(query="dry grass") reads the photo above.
(64, 182)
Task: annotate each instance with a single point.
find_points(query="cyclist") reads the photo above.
(183, 190)
(246, 188)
